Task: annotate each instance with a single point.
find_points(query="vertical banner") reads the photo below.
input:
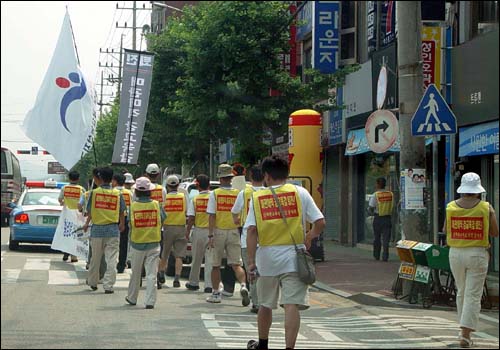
(371, 25)
(431, 56)
(336, 128)
(387, 23)
(134, 99)
(326, 36)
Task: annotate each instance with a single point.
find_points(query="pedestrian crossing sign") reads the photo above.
(433, 115)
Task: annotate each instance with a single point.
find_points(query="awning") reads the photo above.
(357, 143)
(478, 140)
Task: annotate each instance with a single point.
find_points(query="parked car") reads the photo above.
(192, 190)
(35, 217)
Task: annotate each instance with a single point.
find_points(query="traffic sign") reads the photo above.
(381, 130)
(433, 115)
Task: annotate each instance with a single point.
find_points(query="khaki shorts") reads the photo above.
(229, 241)
(293, 291)
(174, 238)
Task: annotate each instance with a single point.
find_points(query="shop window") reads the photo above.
(348, 48)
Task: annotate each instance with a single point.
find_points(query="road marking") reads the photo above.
(37, 264)
(488, 318)
(10, 275)
(60, 277)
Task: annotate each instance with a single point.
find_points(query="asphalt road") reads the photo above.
(46, 304)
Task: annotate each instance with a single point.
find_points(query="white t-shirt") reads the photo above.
(373, 203)
(238, 207)
(277, 260)
(190, 208)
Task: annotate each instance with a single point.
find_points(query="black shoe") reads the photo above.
(128, 301)
(252, 344)
(120, 271)
(150, 306)
(254, 309)
(65, 257)
(191, 287)
(87, 266)
(109, 291)
(208, 290)
(161, 277)
(93, 288)
(177, 284)
(129, 264)
(158, 285)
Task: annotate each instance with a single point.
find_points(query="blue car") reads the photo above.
(34, 219)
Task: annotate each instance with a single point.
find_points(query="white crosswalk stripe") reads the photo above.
(232, 331)
(437, 127)
(37, 264)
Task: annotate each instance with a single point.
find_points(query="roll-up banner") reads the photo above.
(134, 98)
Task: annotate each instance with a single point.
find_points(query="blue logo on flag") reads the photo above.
(73, 94)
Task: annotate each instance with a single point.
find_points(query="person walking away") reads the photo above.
(275, 260)
(198, 221)
(106, 209)
(174, 229)
(223, 234)
(381, 204)
(153, 174)
(129, 182)
(470, 222)
(146, 217)
(118, 183)
(69, 197)
(240, 212)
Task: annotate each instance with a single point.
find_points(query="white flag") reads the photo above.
(62, 120)
(66, 237)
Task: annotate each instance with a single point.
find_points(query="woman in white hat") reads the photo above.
(469, 224)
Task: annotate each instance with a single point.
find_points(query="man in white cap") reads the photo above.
(129, 181)
(153, 174)
(470, 222)
(174, 230)
(223, 234)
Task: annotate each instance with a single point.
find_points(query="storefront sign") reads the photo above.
(387, 22)
(336, 131)
(479, 139)
(431, 56)
(475, 79)
(412, 188)
(422, 274)
(326, 36)
(406, 271)
(386, 57)
(371, 25)
(357, 99)
(305, 19)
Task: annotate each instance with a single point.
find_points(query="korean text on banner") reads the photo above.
(134, 99)
(65, 237)
(326, 36)
(63, 119)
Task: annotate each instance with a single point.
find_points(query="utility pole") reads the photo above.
(410, 82)
(102, 94)
(134, 21)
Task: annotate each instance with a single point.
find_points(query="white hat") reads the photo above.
(471, 183)
(172, 180)
(129, 179)
(144, 184)
(153, 168)
(225, 170)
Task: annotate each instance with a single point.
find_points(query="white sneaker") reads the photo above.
(245, 300)
(215, 298)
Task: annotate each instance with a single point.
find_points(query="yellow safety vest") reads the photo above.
(200, 210)
(270, 226)
(224, 201)
(157, 194)
(72, 194)
(127, 197)
(175, 207)
(105, 206)
(145, 222)
(384, 202)
(247, 195)
(467, 227)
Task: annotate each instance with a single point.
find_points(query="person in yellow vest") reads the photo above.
(153, 174)
(174, 230)
(129, 181)
(146, 217)
(275, 260)
(381, 205)
(240, 212)
(69, 197)
(106, 209)
(470, 222)
(198, 221)
(118, 183)
(223, 234)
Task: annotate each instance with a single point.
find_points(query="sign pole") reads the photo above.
(435, 199)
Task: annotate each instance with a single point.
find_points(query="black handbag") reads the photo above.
(305, 262)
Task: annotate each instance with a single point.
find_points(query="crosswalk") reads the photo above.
(385, 331)
(437, 127)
